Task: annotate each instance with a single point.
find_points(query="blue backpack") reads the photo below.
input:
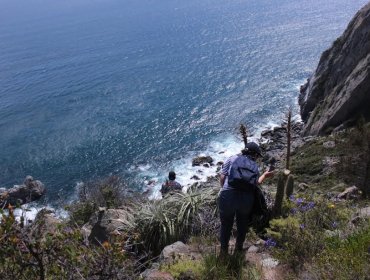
(243, 173)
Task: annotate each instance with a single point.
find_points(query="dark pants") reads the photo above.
(233, 203)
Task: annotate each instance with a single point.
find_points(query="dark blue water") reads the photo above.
(92, 88)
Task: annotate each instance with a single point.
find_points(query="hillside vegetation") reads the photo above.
(317, 234)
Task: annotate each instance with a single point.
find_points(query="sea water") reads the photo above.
(139, 87)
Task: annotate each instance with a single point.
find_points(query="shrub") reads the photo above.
(231, 267)
(61, 254)
(345, 259)
(111, 192)
(179, 268)
(302, 235)
(80, 212)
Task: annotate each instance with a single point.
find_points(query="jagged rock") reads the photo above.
(260, 242)
(329, 164)
(29, 191)
(266, 133)
(211, 182)
(107, 222)
(363, 213)
(201, 160)
(270, 262)
(302, 187)
(206, 165)
(328, 144)
(253, 249)
(339, 90)
(45, 223)
(195, 177)
(275, 141)
(155, 274)
(349, 193)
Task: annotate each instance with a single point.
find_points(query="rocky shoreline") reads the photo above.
(273, 143)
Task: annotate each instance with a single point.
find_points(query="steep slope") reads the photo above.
(339, 90)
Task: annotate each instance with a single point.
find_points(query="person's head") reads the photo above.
(172, 175)
(252, 150)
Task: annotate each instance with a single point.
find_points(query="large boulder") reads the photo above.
(339, 90)
(45, 223)
(107, 222)
(29, 191)
(178, 251)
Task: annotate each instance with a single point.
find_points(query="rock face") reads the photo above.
(339, 90)
(29, 191)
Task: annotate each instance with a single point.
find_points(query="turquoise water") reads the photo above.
(93, 88)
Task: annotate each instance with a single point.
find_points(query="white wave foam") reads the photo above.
(219, 149)
(29, 212)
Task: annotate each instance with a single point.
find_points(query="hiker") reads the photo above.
(171, 184)
(239, 179)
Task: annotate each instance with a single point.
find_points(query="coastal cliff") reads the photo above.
(339, 90)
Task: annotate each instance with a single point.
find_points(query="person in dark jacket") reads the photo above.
(171, 184)
(235, 200)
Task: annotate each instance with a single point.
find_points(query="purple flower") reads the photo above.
(306, 206)
(311, 205)
(334, 224)
(291, 197)
(302, 226)
(294, 210)
(299, 200)
(270, 242)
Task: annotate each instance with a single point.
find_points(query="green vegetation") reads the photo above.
(180, 215)
(345, 258)
(230, 268)
(301, 235)
(348, 161)
(312, 231)
(213, 267)
(111, 192)
(58, 255)
(180, 268)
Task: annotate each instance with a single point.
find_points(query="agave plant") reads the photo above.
(156, 225)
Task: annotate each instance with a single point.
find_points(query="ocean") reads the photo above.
(135, 88)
